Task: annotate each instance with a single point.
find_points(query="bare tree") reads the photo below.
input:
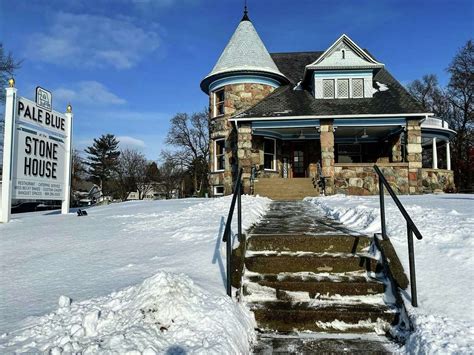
(455, 105)
(189, 135)
(171, 175)
(132, 174)
(8, 65)
(460, 94)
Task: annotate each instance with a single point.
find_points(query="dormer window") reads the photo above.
(328, 88)
(342, 88)
(357, 88)
(219, 98)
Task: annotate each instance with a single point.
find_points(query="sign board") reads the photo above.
(39, 165)
(37, 151)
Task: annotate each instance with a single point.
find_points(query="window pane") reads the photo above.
(268, 146)
(220, 147)
(219, 102)
(328, 88)
(343, 88)
(220, 154)
(357, 88)
(268, 161)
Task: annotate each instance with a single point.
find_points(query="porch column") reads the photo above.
(244, 153)
(435, 154)
(327, 154)
(448, 156)
(414, 158)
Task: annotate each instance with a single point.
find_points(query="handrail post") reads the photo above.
(411, 258)
(382, 208)
(229, 264)
(239, 210)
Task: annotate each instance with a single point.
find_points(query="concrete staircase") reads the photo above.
(321, 280)
(285, 189)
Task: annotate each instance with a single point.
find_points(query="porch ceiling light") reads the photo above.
(301, 136)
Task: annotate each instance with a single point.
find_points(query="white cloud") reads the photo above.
(130, 142)
(83, 40)
(89, 93)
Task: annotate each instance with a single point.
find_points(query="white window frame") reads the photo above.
(216, 156)
(334, 93)
(214, 94)
(274, 162)
(363, 89)
(218, 193)
(348, 88)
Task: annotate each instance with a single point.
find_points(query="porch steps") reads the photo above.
(319, 282)
(280, 189)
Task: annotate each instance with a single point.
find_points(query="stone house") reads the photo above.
(326, 114)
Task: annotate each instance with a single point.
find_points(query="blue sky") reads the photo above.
(127, 66)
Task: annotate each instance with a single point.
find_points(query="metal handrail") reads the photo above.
(227, 237)
(411, 229)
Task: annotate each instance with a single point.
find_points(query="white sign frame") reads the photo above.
(39, 140)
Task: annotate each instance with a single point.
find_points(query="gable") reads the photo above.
(344, 53)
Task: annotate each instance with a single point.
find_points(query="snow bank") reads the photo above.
(165, 313)
(107, 264)
(444, 320)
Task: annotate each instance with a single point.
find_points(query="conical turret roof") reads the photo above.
(245, 53)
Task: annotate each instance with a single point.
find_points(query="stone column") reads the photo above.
(244, 153)
(435, 154)
(397, 149)
(327, 154)
(414, 155)
(448, 156)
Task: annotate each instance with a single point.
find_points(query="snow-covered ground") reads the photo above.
(143, 276)
(444, 320)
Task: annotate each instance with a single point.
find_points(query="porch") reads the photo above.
(343, 151)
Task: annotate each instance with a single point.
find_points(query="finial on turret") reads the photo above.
(69, 108)
(11, 82)
(245, 17)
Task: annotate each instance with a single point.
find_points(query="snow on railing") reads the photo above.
(435, 122)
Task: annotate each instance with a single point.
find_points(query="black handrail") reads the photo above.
(227, 237)
(411, 228)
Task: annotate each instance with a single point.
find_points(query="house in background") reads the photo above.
(296, 117)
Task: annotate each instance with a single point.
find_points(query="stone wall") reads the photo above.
(327, 154)
(414, 155)
(361, 179)
(437, 180)
(238, 97)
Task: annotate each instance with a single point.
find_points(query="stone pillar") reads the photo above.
(414, 158)
(327, 154)
(435, 154)
(244, 153)
(448, 156)
(397, 149)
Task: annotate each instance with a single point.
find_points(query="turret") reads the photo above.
(244, 74)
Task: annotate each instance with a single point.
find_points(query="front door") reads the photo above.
(298, 160)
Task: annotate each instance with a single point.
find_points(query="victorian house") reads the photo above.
(291, 120)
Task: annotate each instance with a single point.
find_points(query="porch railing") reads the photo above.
(227, 237)
(411, 229)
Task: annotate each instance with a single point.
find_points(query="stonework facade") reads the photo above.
(361, 179)
(238, 143)
(437, 180)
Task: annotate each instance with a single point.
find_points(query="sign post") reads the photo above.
(37, 151)
(8, 143)
(68, 164)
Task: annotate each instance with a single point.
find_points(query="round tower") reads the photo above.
(244, 74)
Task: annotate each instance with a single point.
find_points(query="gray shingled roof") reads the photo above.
(244, 53)
(285, 101)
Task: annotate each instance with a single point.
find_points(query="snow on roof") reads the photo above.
(245, 52)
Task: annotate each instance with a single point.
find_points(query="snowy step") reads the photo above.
(335, 263)
(354, 318)
(359, 286)
(314, 243)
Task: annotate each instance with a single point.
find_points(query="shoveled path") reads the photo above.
(300, 217)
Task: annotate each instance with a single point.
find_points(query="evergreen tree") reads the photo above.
(102, 159)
